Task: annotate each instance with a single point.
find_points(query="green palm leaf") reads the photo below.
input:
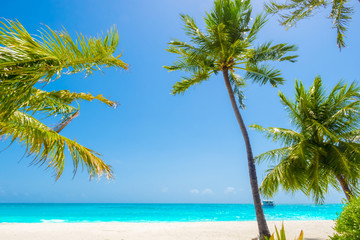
(27, 60)
(264, 74)
(294, 10)
(324, 147)
(48, 147)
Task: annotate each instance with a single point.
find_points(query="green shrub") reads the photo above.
(347, 226)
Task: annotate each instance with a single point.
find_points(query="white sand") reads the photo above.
(313, 230)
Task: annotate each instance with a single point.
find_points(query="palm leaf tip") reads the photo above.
(181, 87)
(170, 68)
(89, 160)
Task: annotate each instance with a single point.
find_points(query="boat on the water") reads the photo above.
(268, 203)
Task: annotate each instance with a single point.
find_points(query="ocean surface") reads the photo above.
(36, 213)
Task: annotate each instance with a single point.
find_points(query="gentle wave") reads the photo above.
(60, 213)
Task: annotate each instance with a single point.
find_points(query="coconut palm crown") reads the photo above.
(227, 43)
(226, 46)
(27, 64)
(323, 149)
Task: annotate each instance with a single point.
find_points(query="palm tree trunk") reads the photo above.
(262, 225)
(345, 187)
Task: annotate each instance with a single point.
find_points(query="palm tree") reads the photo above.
(299, 9)
(324, 148)
(28, 62)
(226, 46)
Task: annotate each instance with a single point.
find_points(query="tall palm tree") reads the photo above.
(324, 148)
(28, 62)
(226, 46)
(296, 10)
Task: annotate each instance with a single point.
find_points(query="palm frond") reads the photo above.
(54, 51)
(287, 137)
(26, 59)
(187, 82)
(342, 16)
(295, 10)
(286, 174)
(258, 24)
(264, 74)
(192, 30)
(299, 9)
(274, 155)
(191, 59)
(58, 102)
(266, 52)
(48, 147)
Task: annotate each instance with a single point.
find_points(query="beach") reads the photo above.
(239, 230)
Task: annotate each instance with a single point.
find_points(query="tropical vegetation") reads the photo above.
(348, 222)
(280, 235)
(226, 46)
(295, 10)
(27, 64)
(322, 149)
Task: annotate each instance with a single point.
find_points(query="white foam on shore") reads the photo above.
(52, 220)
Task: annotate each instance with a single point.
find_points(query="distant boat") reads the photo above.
(268, 203)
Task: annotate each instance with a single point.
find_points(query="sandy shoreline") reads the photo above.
(314, 230)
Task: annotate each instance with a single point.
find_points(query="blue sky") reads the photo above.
(166, 148)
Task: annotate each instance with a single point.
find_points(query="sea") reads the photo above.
(114, 212)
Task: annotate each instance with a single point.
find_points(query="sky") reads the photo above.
(164, 148)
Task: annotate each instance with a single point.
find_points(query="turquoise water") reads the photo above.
(35, 213)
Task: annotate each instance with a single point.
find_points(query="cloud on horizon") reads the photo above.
(194, 191)
(230, 190)
(205, 191)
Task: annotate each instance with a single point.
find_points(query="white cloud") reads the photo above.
(230, 190)
(207, 191)
(194, 191)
